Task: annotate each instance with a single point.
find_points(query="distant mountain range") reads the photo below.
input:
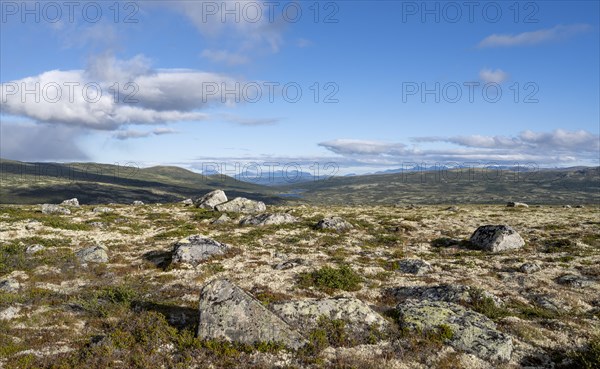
(34, 183)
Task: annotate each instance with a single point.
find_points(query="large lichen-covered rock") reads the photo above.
(268, 219)
(457, 293)
(242, 205)
(471, 332)
(334, 223)
(93, 254)
(496, 238)
(211, 199)
(305, 314)
(228, 312)
(197, 248)
(54, 209)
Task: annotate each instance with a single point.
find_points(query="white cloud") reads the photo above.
(493, 76)
(540, 147)
(224, 56)
(556, 33)
(302, 43)
(363, 147)
(246, 22)
(127, 134)
(131, 92)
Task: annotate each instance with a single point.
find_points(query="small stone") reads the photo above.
(9, 313)
(529, 268)
(71, 202)
(289, 264)
(414, 266)
(138, 203)
(573, 280)
(221, 220)
(187, 202)
(55, 209)
(9, 285)
(32, 249)
(103, 209)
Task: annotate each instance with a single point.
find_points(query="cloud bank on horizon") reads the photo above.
(131, 91)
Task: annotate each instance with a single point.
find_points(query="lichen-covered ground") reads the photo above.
(138, 310)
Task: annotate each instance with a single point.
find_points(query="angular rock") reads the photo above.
(496, 238)
(414, 266)
(93, 254)
(304, 314)
(472, 332)
(221, 220)
(529, 268)
(71, 202)
(9, 285)
(211, 199)
(32, 249)
(289, 264)
(573, 280)
(334, 223)
(517, 205)
(242, 205)
(54, 209)
(195, 249)
(138, 203)
(228, 312)
(268, 219)
(102, 209)
(10, 312)
(187, 202)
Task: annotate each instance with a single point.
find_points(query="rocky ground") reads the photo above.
(375, 286)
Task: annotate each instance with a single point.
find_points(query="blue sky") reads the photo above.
(369, 61)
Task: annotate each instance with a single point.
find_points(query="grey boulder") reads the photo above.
(517, 205)
(55, 209)
(576, 281)
(102, 209)
(228, 312)
(211, 199)
(496, 238)
(71, 202)
(93, 254)
(268, 219)
(138, 203)
(334, 223)
(195, 249)
(242, 205)
(471, 332)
